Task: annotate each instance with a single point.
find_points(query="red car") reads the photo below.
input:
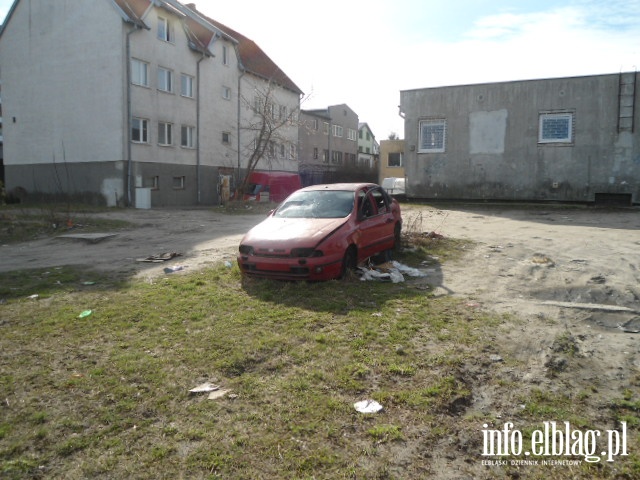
(320, 232)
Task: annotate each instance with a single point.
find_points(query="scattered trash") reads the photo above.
(218, 394)
(630, 326)
(367, 406)
(205, 388)
(541, 259)
(88, 283)
(392, 271)
(496, 358)
(228, 264)
(85, 314)
(35, 296)
(160, 257)
(176, 268)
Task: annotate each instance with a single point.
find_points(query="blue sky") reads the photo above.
(363, 52)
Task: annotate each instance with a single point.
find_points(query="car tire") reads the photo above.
(397, 236)
(349, 261)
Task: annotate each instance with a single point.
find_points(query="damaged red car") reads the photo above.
(320, 232)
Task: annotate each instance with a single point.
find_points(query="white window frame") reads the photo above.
(186, 85)
(165, 30)
(436, 130)
(226, 93)
(140, 125)
(352, 134)
(139, 72)
(165, 80)
(545, 119)
(188, 136)
(338, 131)
(165, 134)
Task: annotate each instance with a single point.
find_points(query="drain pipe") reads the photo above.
(129, 173)
(199, 199)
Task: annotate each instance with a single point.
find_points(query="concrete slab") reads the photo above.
(87, 237)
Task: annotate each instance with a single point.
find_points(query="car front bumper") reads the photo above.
(311, 268)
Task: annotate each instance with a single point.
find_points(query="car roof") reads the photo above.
(339, 186)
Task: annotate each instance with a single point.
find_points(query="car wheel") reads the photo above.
(349, 261)
(397, 236)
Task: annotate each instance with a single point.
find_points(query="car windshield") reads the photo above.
(317, 204)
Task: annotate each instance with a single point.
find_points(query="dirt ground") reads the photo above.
(577, 266)
(558, 269)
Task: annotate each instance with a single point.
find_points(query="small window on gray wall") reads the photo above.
(433, 133)
(556, 128)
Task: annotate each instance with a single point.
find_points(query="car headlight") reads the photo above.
(246, 250)
(306, 252)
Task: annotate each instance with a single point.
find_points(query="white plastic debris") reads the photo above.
(205, 388)
(218, 394)
(412, 272)
(392, 271)
(367, 406)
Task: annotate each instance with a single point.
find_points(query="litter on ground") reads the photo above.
(205, 388)
(390, 271)
(160, 257)
(367, 406)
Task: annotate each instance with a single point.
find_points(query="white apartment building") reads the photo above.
(115, 101)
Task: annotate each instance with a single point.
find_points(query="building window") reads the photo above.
(165, 80)
(325, 156)
(186, 85)
(315, 123)
(351, 134)
(315, 153)
(178, 183)
(556, 128)
(165, 133)
(152, 182)
(225, 55)
(360, 134)
(394, 159)
(139, 130)
(433, 134)
(337, 131)
(165, 30)
(226, 93)
(292, 152)
(188, 136)
(325, 128)
(226, 137)
(139, 72)
(336, 158)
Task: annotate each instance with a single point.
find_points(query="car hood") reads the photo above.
(291, 232)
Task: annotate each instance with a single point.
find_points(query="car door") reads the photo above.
(376, 232)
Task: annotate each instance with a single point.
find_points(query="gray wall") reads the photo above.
(492, 149)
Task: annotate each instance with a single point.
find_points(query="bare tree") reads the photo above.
(268, 128)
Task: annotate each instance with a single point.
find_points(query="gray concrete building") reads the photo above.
(120, 100)
(328, 144)
(569, 139)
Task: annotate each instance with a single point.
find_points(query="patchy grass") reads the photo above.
(107, 395)
(20, 223)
